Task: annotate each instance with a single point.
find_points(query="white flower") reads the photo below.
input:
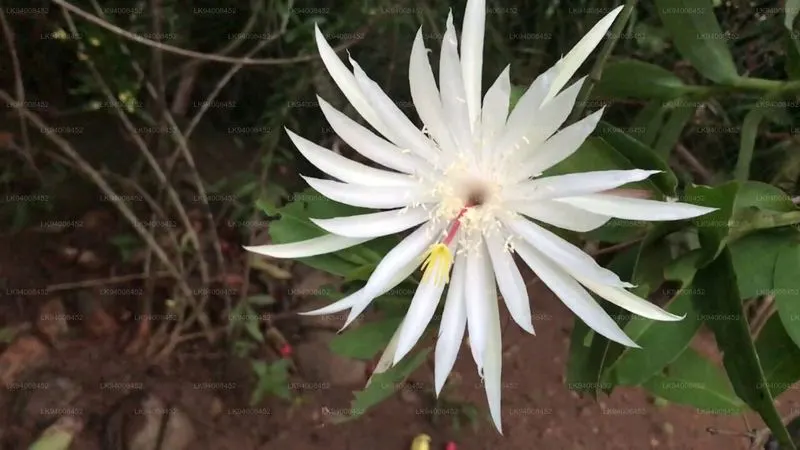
(466, 181)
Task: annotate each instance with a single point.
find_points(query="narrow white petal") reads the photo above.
(370, 196)
(493, 360)
(573, 295)
(425, 95)
(345, 169)
(385, 361)
(375, 224)
(557, 148)
(472, 32)
(636, 208)
(419, 315)
(451, 84)
(367, 296)
(495, 111)
(525, 111)
(310, 247)
(575, 184)
(337, 306)
(478, 291)
(557, 214)
(561, 251)
(569, 64)
(629, 301)
(346, 82)
(510, 282)
(541, 125)
(405, 132)
(452, 327)
(371, 145)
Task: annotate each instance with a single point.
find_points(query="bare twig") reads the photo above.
(101, 183)
(703, 174)
(765, 310)
(616, 247)
(172, 194)
(189, 53)
(104, 281)
(19, 87)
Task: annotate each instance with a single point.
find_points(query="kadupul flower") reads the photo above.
(470, 185)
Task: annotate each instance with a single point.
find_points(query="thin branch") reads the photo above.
(189, 53)
(703, 174)
(19, 87)
(103, 281)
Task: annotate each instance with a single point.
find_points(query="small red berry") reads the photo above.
(450, 446)
(286, 350)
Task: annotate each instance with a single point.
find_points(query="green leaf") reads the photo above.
(253, 329)
(365, 341)
(723, 308)
(693, 380)
(779, 356)
(639, 156)
(698, 37)
(748, 141)
(754, 259)
(792, 63)
(791, 9)
(630, 78)
(661, 342)
(649, 120)
(383, 385)
(672, 129)
(787, 289)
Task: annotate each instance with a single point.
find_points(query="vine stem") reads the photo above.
(605, 52)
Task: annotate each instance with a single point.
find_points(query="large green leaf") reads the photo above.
(724, 314)
(754, 259)
(779, 356)
(671, 131)
(367, 340)
(648, 122)
(698, 37)
(661, 342)
(747, 142)
(693, 380)
(787, 288)
(631, 78)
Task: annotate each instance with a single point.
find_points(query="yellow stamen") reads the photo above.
(438, 260)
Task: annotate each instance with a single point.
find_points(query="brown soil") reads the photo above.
(538, 410)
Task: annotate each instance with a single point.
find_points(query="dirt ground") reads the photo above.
(539, 412)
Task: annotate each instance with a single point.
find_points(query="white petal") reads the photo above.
(478, 298)
(365, 297)
(562, 252)
(557, 214)
(451, 84)
(573, 295)
(385, 361)
(375, 224)
(346, 82)
(370, 196)
(495, 111)
(510, 282)
(557, 148)
(545, 122)
(310, 247)
(405, 132)
(472, 32)
(419, 314)
(493, 359)
(569, 64)
(452, 327)
(337, 306)
(426, 97)
(630, 302)
(345, 169)
(371, 145)
(636, 208)
(575, 184)
(525, 111)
